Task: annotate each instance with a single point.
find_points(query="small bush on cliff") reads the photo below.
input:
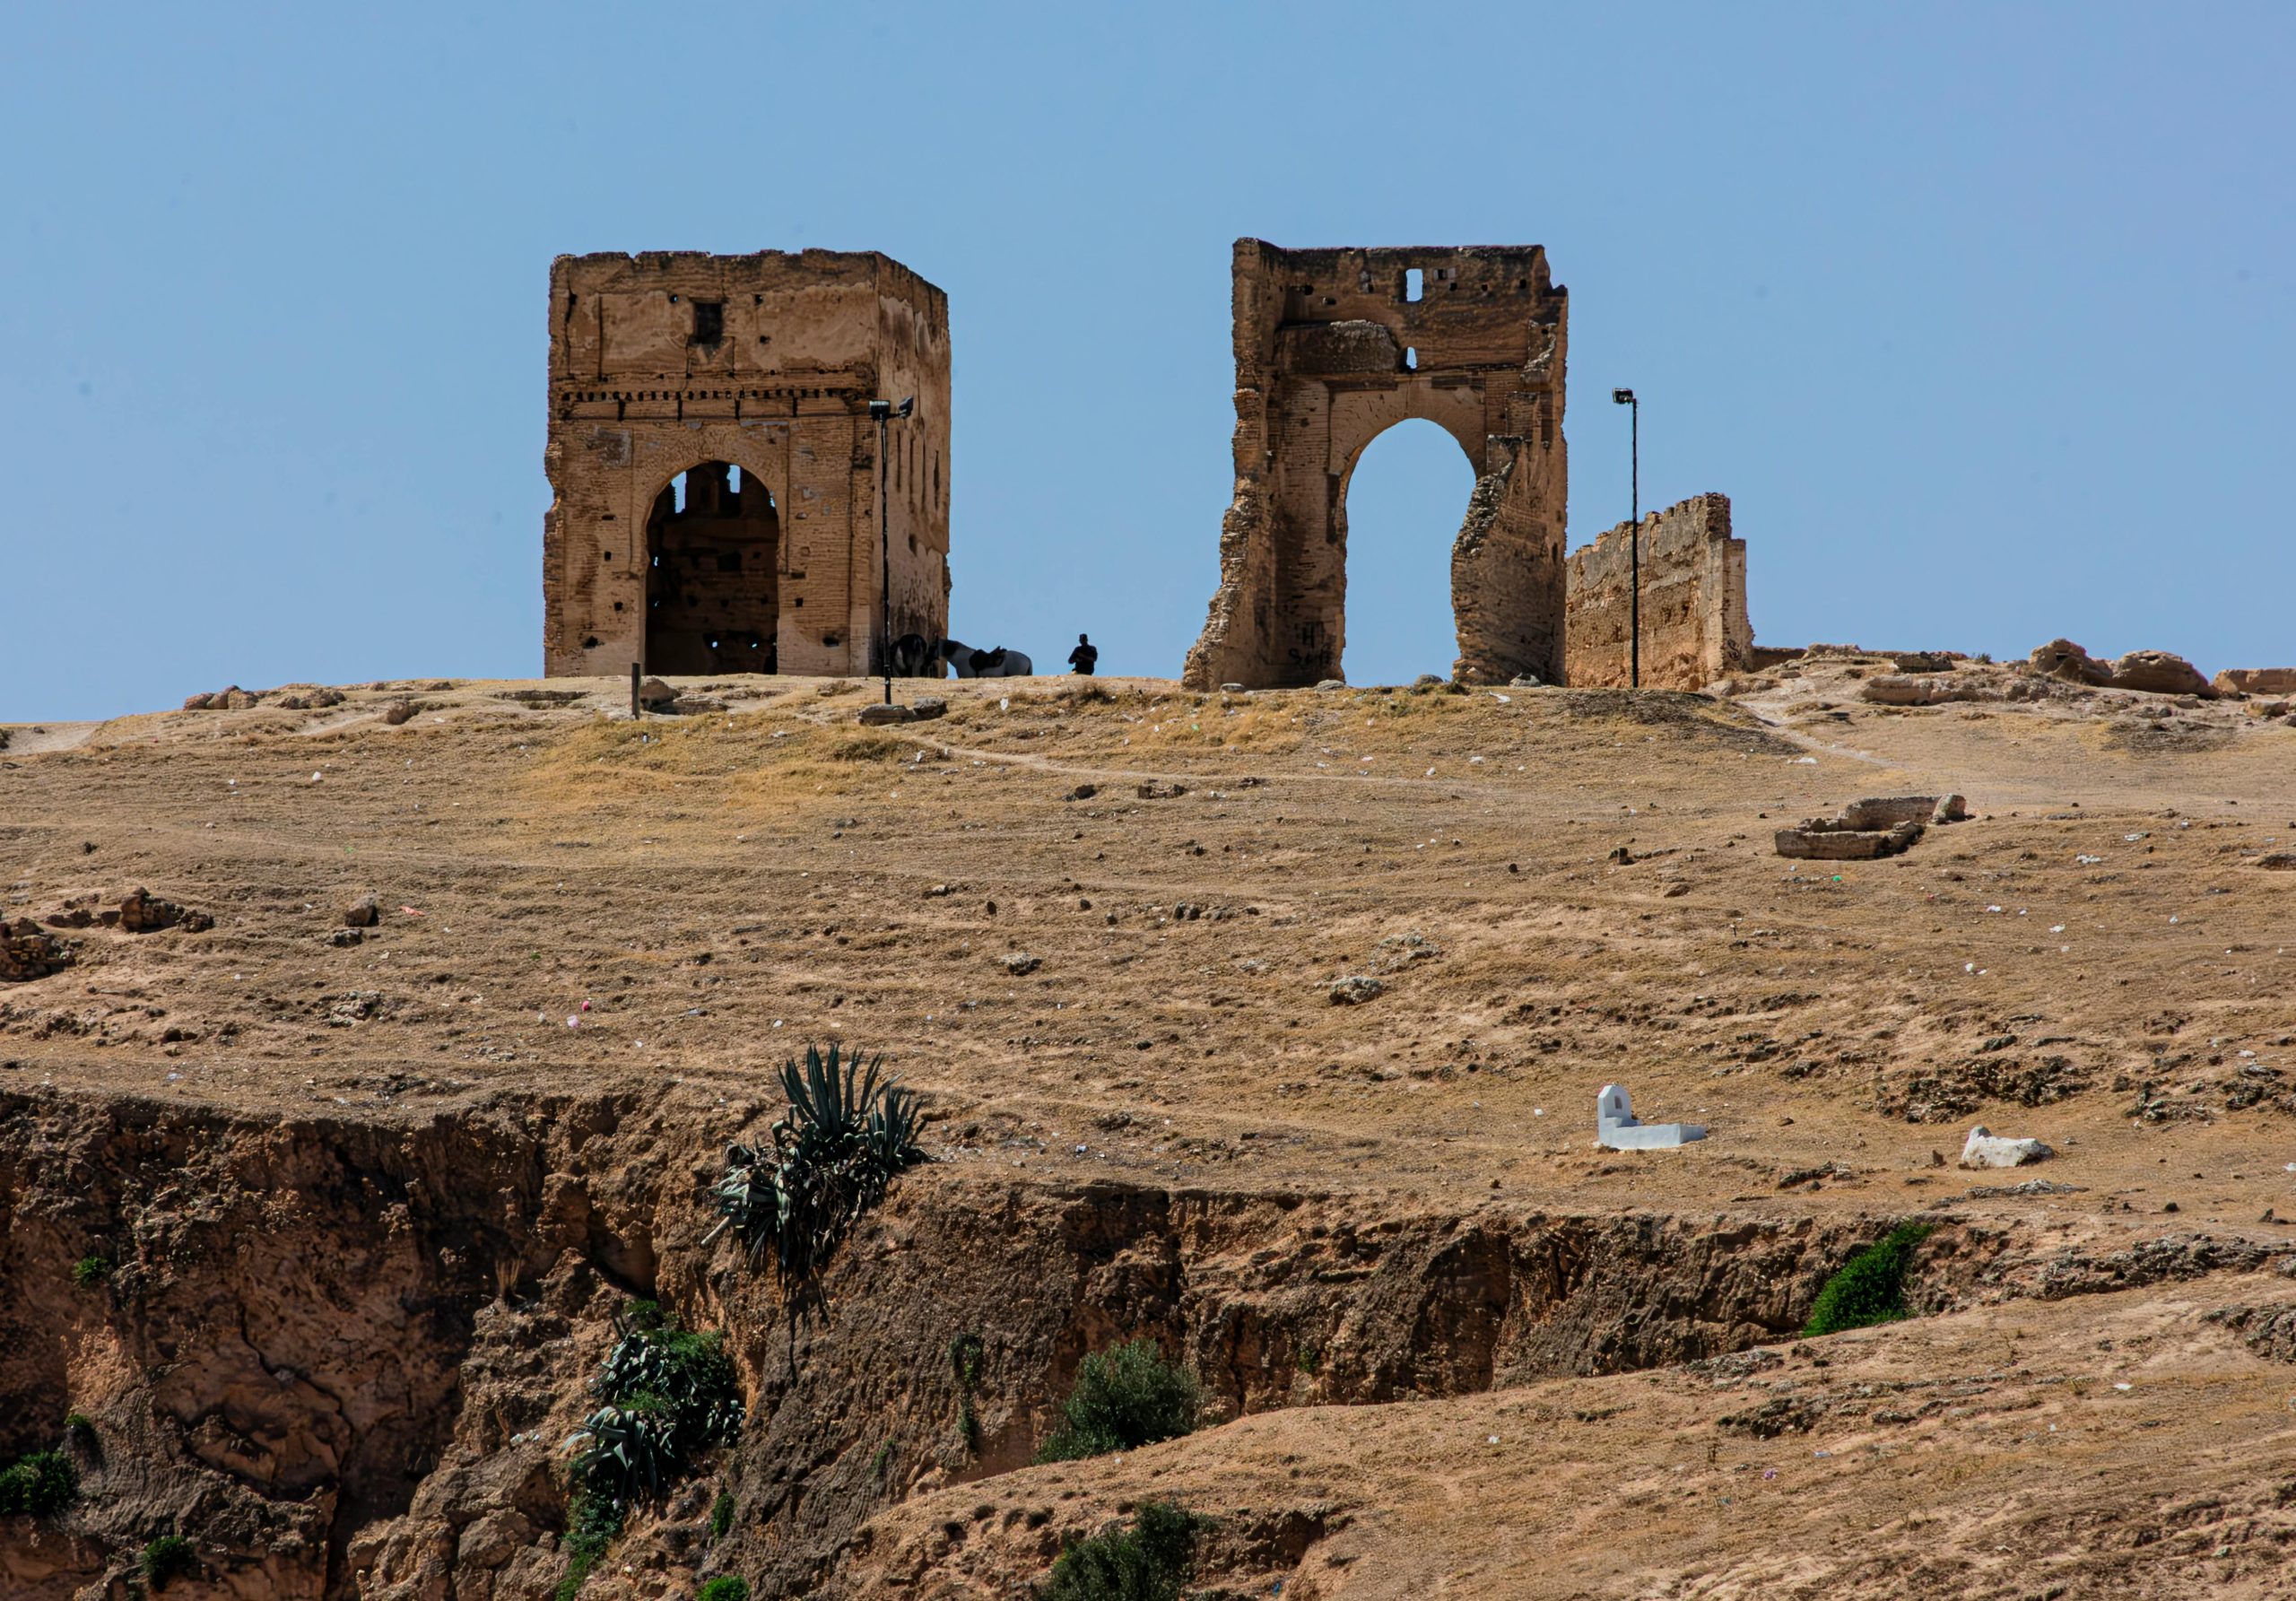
(89, 1272)
(171, 1556)
(1123, 1399)
(1870, 1288)
(843, 1139)
(1145, 1562)
(40, 1483)
(726, 1586)
(666, 1395)
(593, 1523)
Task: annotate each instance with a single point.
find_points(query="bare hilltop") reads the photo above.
(368, 1054)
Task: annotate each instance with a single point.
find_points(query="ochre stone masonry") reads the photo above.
(1334, 347)
(1694, 626)
(714, 466)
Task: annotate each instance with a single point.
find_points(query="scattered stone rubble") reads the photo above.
(29, 951)
(142, 912)
(233, 699)
(2153, 672)
(1879, 826)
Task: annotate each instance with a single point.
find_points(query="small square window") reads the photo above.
(708, 321)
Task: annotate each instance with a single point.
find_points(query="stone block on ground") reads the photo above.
(1985, 1149)
(879, 716)
(1866, 830)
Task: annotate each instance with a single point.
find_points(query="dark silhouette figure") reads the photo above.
(1085, 656)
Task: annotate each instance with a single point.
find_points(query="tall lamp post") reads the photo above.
(1625, 397)
(883, 412)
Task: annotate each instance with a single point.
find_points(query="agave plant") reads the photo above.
(684, 1376)
(632, 1452)
(845, 1133)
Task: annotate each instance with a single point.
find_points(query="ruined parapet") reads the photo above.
(1694, 622)
(2256, 681)
(714, 466)
(1333, 348)
(1866, 830)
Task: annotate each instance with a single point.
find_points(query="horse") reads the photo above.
(966, 662)
(913, 656)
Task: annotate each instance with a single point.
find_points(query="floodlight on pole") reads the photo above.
(1625, 397)
(882, 413)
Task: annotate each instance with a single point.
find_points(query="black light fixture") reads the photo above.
(883, 412)
(1625, 397)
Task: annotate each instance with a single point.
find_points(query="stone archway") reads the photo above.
(1333, 347)
(713, 564)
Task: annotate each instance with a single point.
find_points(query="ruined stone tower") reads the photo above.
(1333, 347)
(714, 467)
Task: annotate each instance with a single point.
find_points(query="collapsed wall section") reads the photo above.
(1333, 348)
(1694, 621)
(714, 468)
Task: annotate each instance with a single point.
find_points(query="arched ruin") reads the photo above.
(1333, 347)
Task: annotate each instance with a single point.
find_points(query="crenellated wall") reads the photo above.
(1694, 623)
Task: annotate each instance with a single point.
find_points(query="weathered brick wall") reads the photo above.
(1331, 350)
(1694, 622)
(669, 361)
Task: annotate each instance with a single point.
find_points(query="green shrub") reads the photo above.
(667, 1395)
(721, 1514)
(1123, 1399)
(89, 1272)
(1145, 1562)
(1870, 1288)
(169, 1556)
(843, 1139)
(685, 1376)
(725, 1588)
(42, 1483)
(593, 1523)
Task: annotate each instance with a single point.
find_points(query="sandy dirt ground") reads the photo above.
(1099, 925)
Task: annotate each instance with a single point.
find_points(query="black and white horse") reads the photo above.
(913, 657)
(968, 663)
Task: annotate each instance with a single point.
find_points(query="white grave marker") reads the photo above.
(1617, 1126)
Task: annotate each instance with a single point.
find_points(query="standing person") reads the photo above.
(1085, 656)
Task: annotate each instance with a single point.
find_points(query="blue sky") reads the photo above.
(1982, 314)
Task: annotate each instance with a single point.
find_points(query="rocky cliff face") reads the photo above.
(344, 1355)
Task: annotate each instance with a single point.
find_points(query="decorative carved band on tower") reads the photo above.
(1333, 347)
(714, 468)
